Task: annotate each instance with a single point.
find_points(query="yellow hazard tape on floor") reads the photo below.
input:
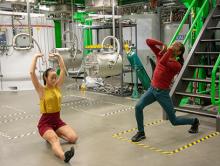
(161, 151)
(195, 142)
(133, 129)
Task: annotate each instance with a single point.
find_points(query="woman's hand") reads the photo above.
(38, 55)
(54, 55)
(164, 49)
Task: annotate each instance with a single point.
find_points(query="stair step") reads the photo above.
(210, 40)
(198, 80)
(213, 28)
(216, 16)
(201, 66)
(196, 111)
(214, 53)
(203, 96)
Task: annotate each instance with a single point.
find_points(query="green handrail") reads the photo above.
(182, 22)
(195, 21)
(213, 81)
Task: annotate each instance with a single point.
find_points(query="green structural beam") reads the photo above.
(58, 34)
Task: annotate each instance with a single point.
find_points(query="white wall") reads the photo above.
(15, 66)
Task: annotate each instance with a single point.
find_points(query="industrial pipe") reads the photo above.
(72, 47)
(29, 23)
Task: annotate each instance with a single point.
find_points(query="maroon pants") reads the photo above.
(50, 121)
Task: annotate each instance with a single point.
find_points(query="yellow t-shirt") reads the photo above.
(51, 102)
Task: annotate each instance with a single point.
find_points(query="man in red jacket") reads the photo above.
(169, 63)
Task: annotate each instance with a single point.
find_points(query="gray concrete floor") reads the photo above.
(96, 118)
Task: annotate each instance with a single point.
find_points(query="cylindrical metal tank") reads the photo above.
(103, 65)
(109, 64)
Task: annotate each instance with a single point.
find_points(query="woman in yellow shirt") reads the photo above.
(50, 126)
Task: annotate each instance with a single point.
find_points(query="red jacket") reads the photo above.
(166, 68)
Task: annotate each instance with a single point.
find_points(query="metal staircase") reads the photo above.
(204, 48)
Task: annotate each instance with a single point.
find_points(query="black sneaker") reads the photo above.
(195, 127)
(69, 154)
(138, 137)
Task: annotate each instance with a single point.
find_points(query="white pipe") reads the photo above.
(114, 39)
(14, 42)
(26, 48)
(62, 49)
(15, 77)
(113, 21)
(99, 16)
(29, 23)
(74, 37)
(6, 13)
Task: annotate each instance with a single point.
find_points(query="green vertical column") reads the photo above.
(58, 34)
(87, 35)
(58, 38)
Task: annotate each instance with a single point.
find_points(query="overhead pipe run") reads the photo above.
(6, 13)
